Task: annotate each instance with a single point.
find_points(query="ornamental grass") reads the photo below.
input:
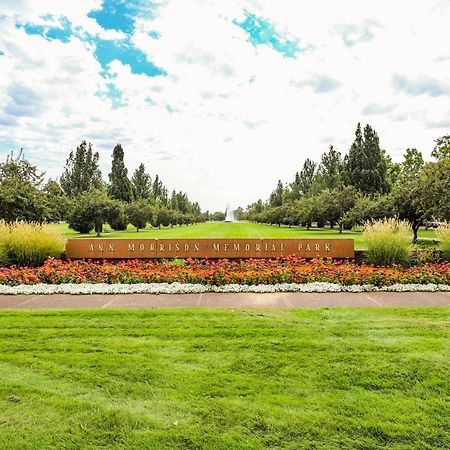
(443, 233)
(28, 243)
(221, 272)
(389, 241)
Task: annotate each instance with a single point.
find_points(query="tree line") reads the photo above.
(85, 201)
(365, 184)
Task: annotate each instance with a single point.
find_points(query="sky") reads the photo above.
(220, 98)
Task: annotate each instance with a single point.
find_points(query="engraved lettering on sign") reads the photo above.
(208, 248)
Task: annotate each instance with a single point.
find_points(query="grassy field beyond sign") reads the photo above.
(234, 230)
(212, 379)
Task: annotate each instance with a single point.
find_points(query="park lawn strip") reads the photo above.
(216, 379)
(234, 230)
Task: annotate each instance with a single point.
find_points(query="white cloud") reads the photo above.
(230, 118)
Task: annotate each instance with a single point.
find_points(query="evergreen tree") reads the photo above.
(141, 183)
(295, 186)
(306, 177)
(329, 173)
(365, 167)
(276, 197)
(157, 189)
(120, 186)
(81, 172)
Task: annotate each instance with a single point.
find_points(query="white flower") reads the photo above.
(180, 288)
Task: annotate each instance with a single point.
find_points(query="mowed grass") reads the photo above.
(235, 230)
(216, 379)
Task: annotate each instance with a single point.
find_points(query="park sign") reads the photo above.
(97, 248)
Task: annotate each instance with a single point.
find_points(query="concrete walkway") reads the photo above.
(213, 300)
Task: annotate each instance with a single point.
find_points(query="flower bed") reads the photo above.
(250, 272)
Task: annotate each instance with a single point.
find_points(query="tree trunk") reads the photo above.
(340, 227)
(415, 229)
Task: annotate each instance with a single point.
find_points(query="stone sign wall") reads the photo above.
(208, 248)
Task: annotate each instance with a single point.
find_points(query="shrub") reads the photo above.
(117, 217)
(4, 233)
(443, 233)
(30, 243)
(388, 242)
(139, 214)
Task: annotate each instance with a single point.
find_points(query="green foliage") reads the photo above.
(432, 197)
(370, 208)
(443, 233)
(388, 242)
(141, 184)
(81, 172)
(364, 166)
(442, 148)
(329, 173)
(20, 194)
(218, 216)
(28, 243)
(276, 197)
(59, 205)
(304, 181)
(91, 211)
(139, 213)
(116, 216)
(120, 186)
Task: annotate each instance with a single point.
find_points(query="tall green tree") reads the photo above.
(92, 209)
(364, 166)
(21, 197)
(59, 204)
(276, 197)
(141, 183)
(433, 190)
(306, 177)
(81, 172)
(120, 186)
(442, 148)
(329, 172)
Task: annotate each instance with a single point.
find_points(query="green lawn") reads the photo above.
(214, 379)
(234, 230)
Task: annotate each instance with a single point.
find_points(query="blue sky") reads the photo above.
(221, 99)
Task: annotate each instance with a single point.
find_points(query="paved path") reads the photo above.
(213, 300)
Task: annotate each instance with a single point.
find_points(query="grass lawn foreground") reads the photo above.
(223, 379)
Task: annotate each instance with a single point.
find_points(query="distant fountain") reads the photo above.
(229, 215)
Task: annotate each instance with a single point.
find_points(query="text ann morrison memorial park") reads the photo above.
(208, 248)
